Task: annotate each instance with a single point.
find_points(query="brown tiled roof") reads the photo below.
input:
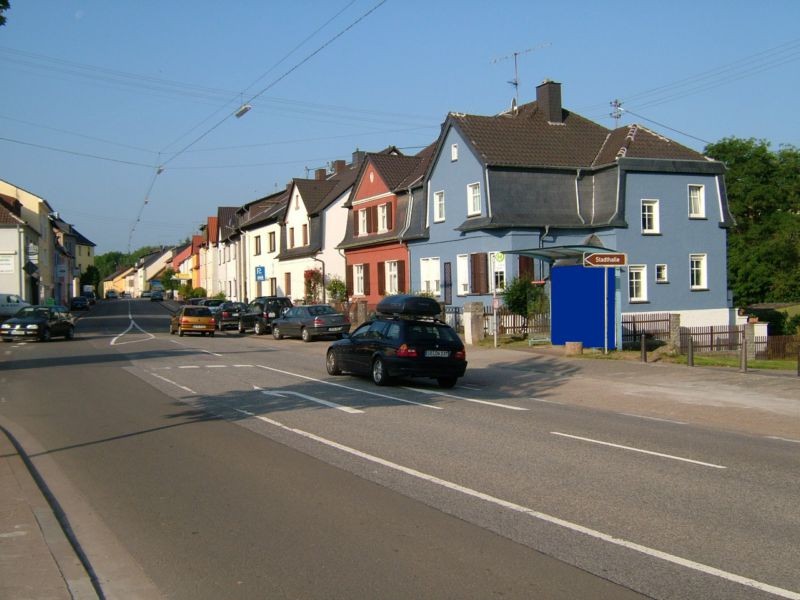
(527, 139)
(635, 141)
(393, 168)
(314, 192)
(8, 218)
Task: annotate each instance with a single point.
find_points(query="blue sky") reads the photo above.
(99, 93)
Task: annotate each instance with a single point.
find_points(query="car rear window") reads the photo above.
(430, 332)
(321, 310)
(196, 311)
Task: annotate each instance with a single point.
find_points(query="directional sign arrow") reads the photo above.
(605, 259)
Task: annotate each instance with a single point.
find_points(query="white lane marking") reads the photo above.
(242, 366)
(211, 353)
(189, 367)
(439, 393)
(689, 564)
(215, 366)
(653, 418)
(131, 325)
(545, 401)
(173, 383)
(352, 389)
(782, 439)
(284, 394)
(470, 387)
(632, 449)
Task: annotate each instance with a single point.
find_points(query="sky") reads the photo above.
(120, 113)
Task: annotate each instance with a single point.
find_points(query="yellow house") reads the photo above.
(84, 251)
(119, 281)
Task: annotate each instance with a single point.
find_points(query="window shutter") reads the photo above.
(381, 278)
(401, 276)
(372, 219)
(526, 268)
(389, 216)
(366, 279)
(355, 222)
(348, 279)
(479, 271)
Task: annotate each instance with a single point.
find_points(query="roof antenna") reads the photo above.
(514, 55)
(616, 111)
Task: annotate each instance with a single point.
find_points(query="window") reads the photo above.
(661, 274)
(697, 202)
(391, 277)
(637, 283)
(305, 234)
(698, 269)
(473, 199)
(498, 272)
(363, 227)
(359, 280)
(383, 218)
(438, 207)
(271, 239)
(454, 152)
(462, 274)
(287, 284)
(258, 245)
(650, 216)
(297, 201)
(273, 286)
(291, 237)
(430, 275)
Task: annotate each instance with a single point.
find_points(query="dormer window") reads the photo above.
(454, 152)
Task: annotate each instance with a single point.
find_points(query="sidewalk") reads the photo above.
(36, 559)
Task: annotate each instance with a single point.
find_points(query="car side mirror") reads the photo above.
(284, 310)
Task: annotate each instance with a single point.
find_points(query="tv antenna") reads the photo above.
(514, 55)
(616, 111)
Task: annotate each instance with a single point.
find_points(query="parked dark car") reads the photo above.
(40, 323)
(405, 339)
(261, 312)
(91, 297)
(309, 322)
(157, 296)
(192, 319)
(228, 314)
(112, 295)
(79, 303)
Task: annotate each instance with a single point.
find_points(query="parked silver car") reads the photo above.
(309, 322)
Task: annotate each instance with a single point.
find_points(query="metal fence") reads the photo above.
(778, 347)
(654, 325)
(713, 338)
(510, 323)
(454, 316)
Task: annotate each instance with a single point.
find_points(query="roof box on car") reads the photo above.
(409, 305)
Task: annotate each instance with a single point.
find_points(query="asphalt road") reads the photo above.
(234, 466)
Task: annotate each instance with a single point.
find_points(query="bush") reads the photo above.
(525, 298)
(337, 289)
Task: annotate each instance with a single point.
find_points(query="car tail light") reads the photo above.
(460, 355)
(225, 314)
(185, 321)
(318, 322)
(405, 352)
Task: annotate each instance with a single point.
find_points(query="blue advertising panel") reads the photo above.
(578, 298)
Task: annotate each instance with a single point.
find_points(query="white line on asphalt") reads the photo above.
(653, 418)
(284, 394)
(211, 353)
(688, 460)
(352, 389)
(440, 393)
(173, 383)
(545, 401)
(131, 325)
(216, 366)
(189, 367)
(240, 366)
(689, 564)
(470, 387)
(783, 439)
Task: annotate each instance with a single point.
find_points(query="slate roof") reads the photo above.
(226, 216)
(635, 141)
(81, 240)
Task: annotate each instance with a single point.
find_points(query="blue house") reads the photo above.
(512, 194)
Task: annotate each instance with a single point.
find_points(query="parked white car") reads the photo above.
(10, 305)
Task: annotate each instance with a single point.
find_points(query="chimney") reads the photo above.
(358, 156)
(338, 166)
(548, 97)
(320, 174)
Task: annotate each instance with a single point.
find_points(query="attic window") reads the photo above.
(454, 152)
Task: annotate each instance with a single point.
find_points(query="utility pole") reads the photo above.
(616, 111)
(514, 55)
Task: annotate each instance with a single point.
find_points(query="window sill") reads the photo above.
(651, 233)
(699, 289)
(638, 301)
(661, 282)
(697, 218)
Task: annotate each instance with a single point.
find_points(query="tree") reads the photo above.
(764, 197)
(4, 6)
(91, 277)
(168, 281)
(337, 289)
(525, 298)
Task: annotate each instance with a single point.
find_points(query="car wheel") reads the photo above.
(70, 335)
(171, 331)
(45, 335)
(276, 333)
(305, 334)
(180, 332)
(332, 363)
(258, 329)
(379, 375)
(241, 327)
(446, 382)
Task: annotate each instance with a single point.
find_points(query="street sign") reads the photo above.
(261, 273)
(605, 259)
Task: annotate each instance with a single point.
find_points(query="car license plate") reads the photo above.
(334, 328)
(17, 332)
(198, 326)
(437, 353)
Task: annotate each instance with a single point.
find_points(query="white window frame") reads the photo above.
(662, 273)
(358, 280)
(363, 222)
(462, 275)
(655, 226)
(698, 271)
(698, 211)
(383, 218)
(639, 273)
(392, 281)
(430, 275)
(453, 152)
(474, 199)
(498, 275)
(438, 206)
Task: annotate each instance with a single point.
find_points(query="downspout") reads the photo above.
(488, 194)
(22, 257)
(578, 176)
